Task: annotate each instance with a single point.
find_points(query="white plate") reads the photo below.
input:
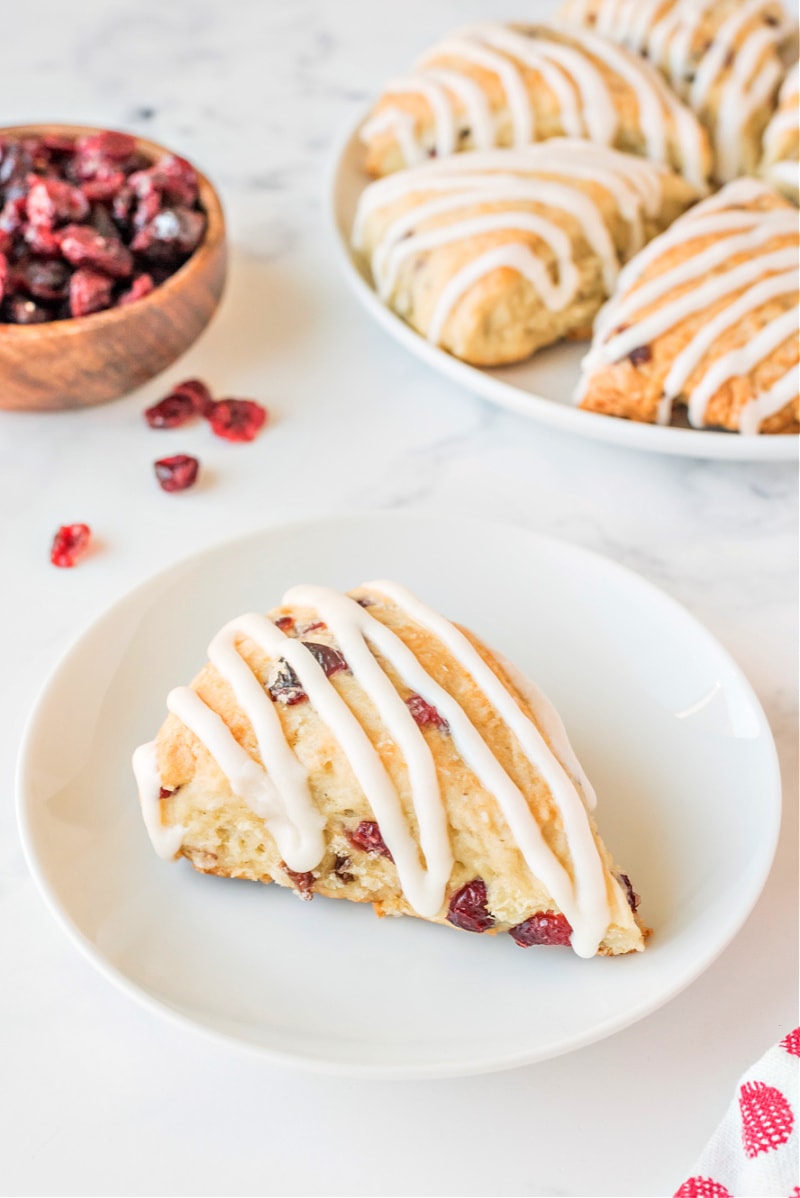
(542, 387)
(668, 729)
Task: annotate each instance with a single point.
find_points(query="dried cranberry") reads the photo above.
(146, 210)
(313, 627)
(303, 881)
(18, 310)
(43, 241)
(69, 543)
(170, 412)
(59, 143)
(176, 473)
(142, 285)
(548, 928)
(177, 179)
(82, 246)
(468, 909)
(45, 279)
(284, 685)
(101, 222)
(367, 837)
(365, 602)
(640, 354)
(165, 793)
(330, 659)
(104, 185)
(172, 233)
(89, 291)
(237, 419)
(199, 394)
(426, 715)
(284, 623)
(630, 893)
(107, 144)
(52, 201)
(341, 868)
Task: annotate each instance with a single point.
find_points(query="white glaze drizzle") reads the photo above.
(506, 71)
(403, 126)
(165, 838)
(479, 179)
(710, 217)
(586, 900)
(281, 796)
(767, 404)
(444, 118)
(473, 98)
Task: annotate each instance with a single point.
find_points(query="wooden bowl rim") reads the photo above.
(214, 235)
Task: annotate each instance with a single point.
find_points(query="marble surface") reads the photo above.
(100, 1097)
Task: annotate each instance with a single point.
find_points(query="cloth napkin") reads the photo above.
(755, 1151)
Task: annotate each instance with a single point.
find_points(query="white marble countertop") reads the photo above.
(97, 1095)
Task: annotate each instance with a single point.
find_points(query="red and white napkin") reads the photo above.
(755, 1151)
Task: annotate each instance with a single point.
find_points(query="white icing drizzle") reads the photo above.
(740, 362)
(511, 81)
(583, 96)
(739, 232)
(166, 839)
(586, 901)
(278, 790)
(476, 180)
(767, 404)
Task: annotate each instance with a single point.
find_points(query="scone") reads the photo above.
(779, 165)
(509, 85)
(361, 746)
(723, 57)
(493, 255)
(704, 321)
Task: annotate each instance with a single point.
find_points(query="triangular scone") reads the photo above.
(704, 321)
(363, 747)
(495, 84)
(724, 58)
(779, 165)
(495, 255)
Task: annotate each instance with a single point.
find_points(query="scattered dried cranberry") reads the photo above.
(170, 412)
(303, 881)
(69, 543)
(284, 685)
(330, 659)
(237, 419)
(341, 868)
(313, 627)
(284, 623)
(171, 234)
(106, 144)
(165, 793)
(630, 893)
(426, 715)
(468, 909)
(367, 837)
(46, 279)
(549, 928)
(52, 201)
(89, 291)
(639, 355)
(176, 473)
(199, 394)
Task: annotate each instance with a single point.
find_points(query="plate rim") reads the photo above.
(675, 442)
(758, 872)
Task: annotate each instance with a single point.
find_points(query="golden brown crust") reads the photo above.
(225, 837)
(633, 387)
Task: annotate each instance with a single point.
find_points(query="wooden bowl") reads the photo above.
(90, 359)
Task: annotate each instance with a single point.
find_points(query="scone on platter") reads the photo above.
(496, 84)
(704, 321)
(494, 255)
(723, 57)
(779, 165)
(361, 746)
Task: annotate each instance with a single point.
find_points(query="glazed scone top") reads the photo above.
(722, 56)
(782, 138)
(489, 84)
(747, 258)
(276, 788)
(539, 194)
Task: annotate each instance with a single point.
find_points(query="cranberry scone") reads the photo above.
(704, 321)
(724, 58)
(361, 746)
(779, 165)
(496, 84)
(494, 255)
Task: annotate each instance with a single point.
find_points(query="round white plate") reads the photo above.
(540, 388)
(667, 727)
